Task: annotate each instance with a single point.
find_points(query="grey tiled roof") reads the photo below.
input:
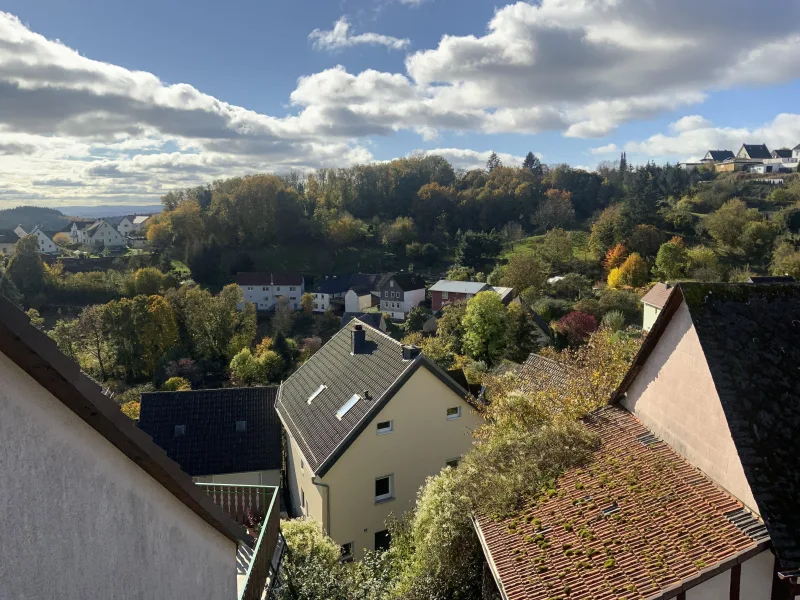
(750, 335)
(757, 150)
(720, 155)
(538, 373)
(210, 444)
(371, 319)
(379, 370)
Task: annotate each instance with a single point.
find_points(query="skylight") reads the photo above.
(347, 406)
(316, 393)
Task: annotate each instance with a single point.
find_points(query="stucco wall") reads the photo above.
(649, 315)
(674, 395)
(272, 478)
(422, 442)
(300, 477)
(80, 520)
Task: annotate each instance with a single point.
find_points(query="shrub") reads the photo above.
(576, 327)
(614, 320)
(177, 384)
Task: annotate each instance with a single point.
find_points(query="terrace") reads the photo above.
(258, 509)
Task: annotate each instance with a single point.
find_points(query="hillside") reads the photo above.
(30, 216)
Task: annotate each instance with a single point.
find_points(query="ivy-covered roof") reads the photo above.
(633, 522)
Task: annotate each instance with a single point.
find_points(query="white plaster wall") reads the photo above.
(413, 298)
(321, 302)
(756, 577)
(79, 520)
(272, 478)
(716, 588)
(675, 397)
(300, 477)
(649, 315)
(352, 303)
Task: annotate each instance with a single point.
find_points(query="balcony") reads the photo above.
(257, 508)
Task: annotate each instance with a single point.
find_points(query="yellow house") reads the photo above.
(367, 420)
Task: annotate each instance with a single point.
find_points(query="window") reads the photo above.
(263, 289)
(386, 294)
(278, 289)
(241, 426)
(316, 393)
(347, 552)
(382, 540)
(391, 283)
(445, 295)
(302, 499)
(180, 430)
(385, 427)
(347, 406)
(302, 465)
(453, 462)
(384, 488)
(453, 413)
(292, 289)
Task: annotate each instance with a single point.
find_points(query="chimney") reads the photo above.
(359, 339)
(411, 352)
(366, 395)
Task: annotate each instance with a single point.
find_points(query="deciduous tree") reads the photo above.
(484, 325)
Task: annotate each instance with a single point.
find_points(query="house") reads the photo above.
(330, 288)
(373, 319)
(653, 302)
(400, 293)
(733, 165)
(137, 242)
(446, 292)
(716, 379)
(139, 222)
(103, 234)
(229, 435)
(45, 241)
(264, 289)
(362, 293)
(8, 242)
(781, 153)
(123, 224)
(92, 508)
(753, 152)
(367, 420)
(796, 152)
(538, 373)
(713, 156)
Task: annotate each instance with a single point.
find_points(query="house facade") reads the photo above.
(754, 152)
(91, 507)
(125, 226)
(653, 302)
(228, 436)
(46, 243)
(103, 234)
(399, 293)
(139, 222)
(367, 420)
(445, 292)
(264, 289)
(713, 156)
(8, 242)
(330, 288)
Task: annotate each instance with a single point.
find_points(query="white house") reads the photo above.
(46, 244)
(264, 289)
(8, 242)
(104, 234)
(339, 287)
(329, 288)
(125, 226)
(139, 221)
(653, 302)
(400, 293)
(92, 508)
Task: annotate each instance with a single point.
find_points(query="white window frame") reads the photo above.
(317, 392)
(389, 496)
(348, 406)
(445, 295)
(454, 416)
(385, 430)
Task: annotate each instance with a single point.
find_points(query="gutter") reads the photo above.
(315, 481)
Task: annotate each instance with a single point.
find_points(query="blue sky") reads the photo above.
(113, 102)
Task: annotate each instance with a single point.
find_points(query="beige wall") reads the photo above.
(271, 478)
(300, 478)
(649, 316)
(674, 396)
(80, 520)
(422, 441)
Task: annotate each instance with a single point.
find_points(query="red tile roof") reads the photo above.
(634, 521)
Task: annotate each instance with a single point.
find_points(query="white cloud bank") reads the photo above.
(340, 37)
(579, 67)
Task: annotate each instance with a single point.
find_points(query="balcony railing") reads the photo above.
(259, 565)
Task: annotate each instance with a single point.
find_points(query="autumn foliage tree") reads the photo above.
(615, 257)
(576, 327)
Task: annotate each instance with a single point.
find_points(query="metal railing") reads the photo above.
(262, 503)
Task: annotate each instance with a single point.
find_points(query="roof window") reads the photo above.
(347, 406)
(317, 392)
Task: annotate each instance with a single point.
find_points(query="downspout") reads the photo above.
(327, 501)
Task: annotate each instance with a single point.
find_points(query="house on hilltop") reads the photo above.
(754, 152)
(399, 293)
(782, 153)
(264, 289)
(229, 435)
(367, 420)
(713, 156)
(692, 490)
(92, 508)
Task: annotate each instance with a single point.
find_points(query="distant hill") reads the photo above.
(109, 210)
(31, 216)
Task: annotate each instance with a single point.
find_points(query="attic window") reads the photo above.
(610, 510)
(180, 430)
(316, 393)
(241, 426)
(647, 439)
(347, 406)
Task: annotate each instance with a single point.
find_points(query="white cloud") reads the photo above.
(607, 149)
(340, 37)
(693, 136)
(462, 158)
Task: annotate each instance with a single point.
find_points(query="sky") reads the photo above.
(119, 102)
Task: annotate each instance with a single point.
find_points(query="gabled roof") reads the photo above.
(538, 373)
(93, 227)
(720, 155)
(658, 295)
(635, 522)
(269, 279)
(459, 287)
(373, 319)
(379, 370)
(782, 153)
(750, 336)
(211, 444)
(405, 281)
(757, 150)
(334, 284)
(139, 219)
(8, 236)
(37, 354)
(364, 283)
(503, 292)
